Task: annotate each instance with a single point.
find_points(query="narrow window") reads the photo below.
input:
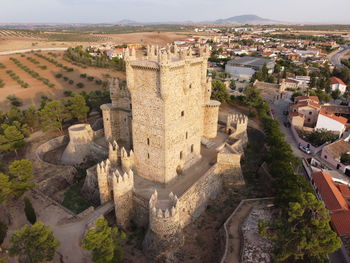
(181, 155)
(190, 86)
(186, 135)
(147, 141)
(192, 148)
(310, 113)
(148, 155)
(130, 106)
(182, 113)
(308, 119)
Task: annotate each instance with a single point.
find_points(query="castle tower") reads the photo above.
(169, 92)
(211, 118)
(123, 186)
(78, 148)
(127, 160)
(103, 171)
(164, 235)
(117, 115)
(113, 153)
(236, 123)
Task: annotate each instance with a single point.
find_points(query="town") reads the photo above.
(219, 141)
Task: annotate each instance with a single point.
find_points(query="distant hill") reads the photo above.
(246, 19)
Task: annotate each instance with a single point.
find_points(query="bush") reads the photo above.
(58, 75)
(71, 82)
(65, 78)
(90, 78)
(80, 85)
(14, 101)
(29, 211)
(67, 93)
(3, 232)
(83, 75)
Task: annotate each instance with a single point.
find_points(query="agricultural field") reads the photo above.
(31, 75)
(28, 39)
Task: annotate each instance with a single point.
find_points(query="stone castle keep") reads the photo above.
(167, 156)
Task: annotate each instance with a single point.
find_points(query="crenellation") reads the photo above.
(103, 171)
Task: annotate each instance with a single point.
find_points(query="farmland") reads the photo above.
(44, 78)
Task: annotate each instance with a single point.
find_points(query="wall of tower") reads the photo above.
(167, 114)
(123, 186)
(211, 117)
(110, 122)
(103, 170)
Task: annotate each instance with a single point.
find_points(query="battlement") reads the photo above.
(170, 54)
(236, 123)
(122, 183)
(163, 208)
(164, 215)
(103, 170)
(127, 160)
(113, 153)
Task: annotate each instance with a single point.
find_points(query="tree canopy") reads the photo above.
(219, 92)
(53, 115)
(104, 242)
(34, 244)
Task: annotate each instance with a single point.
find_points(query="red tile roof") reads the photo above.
(334, 117)
(344, 189)
(329, 192)
(341, 222)
(335, 80)
(312, 98)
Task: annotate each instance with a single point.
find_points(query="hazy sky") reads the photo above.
(91, 11)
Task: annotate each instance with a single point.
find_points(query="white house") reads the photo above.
(338, 84)
(331, 122)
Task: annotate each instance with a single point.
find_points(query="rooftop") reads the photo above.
(331, 195)
(335, 80)
(337, 148)
(250, 61)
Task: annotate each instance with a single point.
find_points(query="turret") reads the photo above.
(123, 186)
(113, 153)
(127, 160)
(103, 170)
(236, 123)
(164, 215)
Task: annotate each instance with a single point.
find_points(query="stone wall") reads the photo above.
(194, 201)
(211, 117)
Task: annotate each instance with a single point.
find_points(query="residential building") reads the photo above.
(331, 153)
(329, 121)
(338, 84)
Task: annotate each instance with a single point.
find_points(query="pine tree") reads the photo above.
(29, 211)
(104, 242)
(305, 234)
(12, 139)
(52, 115)
(77, 107)
(34, 243)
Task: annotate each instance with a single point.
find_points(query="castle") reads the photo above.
(167, 157)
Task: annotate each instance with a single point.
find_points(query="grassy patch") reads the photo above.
(73, 199)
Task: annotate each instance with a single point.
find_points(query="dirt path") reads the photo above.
(233, 226)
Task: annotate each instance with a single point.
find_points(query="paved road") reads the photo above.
(335, 57)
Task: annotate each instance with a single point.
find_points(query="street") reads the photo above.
(278, 108)
(336, 56)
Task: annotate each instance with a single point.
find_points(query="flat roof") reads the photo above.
(250, 61)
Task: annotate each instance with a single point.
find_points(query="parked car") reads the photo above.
(305, 149)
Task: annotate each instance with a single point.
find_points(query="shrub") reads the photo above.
(14, 101)
(83, 75)
(29, 211)
(65, 78)
(58, 75)
(67, 93)
(98, 81)
(90, 78)
(71, 82)
(80, 85)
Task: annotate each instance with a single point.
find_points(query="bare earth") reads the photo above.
(31, 95)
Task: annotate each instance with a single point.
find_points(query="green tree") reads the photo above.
(34, 244)
(345, 158)
(104, 242)
(20, 173)
(5, 188)
(335, 94)
(29, 211)
(232, 84)
(213, 74)
(305, 234)
(31, 118)
(12, 139)
(219, 92)
(53, 115)
(77, 107)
